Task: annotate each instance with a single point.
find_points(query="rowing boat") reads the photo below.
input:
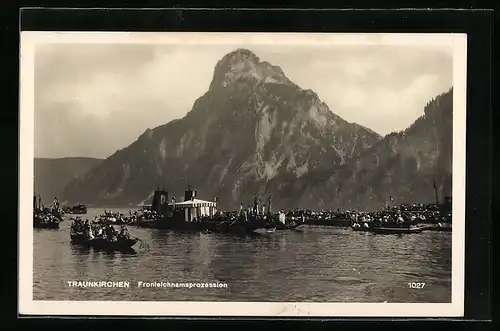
(396, 230)
(102, 243)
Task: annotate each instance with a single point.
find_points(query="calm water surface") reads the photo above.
(317, 264)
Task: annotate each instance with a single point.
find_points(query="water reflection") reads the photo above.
(315, 264)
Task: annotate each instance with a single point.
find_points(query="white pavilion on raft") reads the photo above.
(194, 208)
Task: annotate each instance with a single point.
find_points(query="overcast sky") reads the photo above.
(92, 99)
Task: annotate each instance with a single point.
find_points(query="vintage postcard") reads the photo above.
(242, 174)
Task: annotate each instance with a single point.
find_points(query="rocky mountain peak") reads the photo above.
(242, 65)
(240, 55)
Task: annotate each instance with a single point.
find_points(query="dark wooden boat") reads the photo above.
(197, 215)
(46, 221)
(46, 225)
(273, 222)
(102, 243)
(236, 226)
(79, 209)
(216, 224)
(397, 230)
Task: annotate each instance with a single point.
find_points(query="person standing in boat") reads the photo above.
(110, 233)
(255, 209)
(55, 205)
(90, 230)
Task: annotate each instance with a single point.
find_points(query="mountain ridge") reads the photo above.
(254, 132)
(252, 127)
(422, 154)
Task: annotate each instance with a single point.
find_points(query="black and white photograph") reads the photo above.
(242, 174)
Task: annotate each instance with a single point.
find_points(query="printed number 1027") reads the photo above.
(416, 285)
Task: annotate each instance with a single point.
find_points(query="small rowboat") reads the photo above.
(46, 225)
(396, 230)
(46, 221)
(102, 243)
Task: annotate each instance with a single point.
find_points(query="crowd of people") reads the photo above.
(144, 214)
(76, 209)
(42, 214)
(97, 230)
(401, 215)
(408, 214)
(46, 215)
(117, 218)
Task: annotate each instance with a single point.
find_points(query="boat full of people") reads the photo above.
(101, 236)
(282, 222)
(398, 229)
(425, 213)
(46, 217)
(400, 219)
(114, 218)
(78, 209)
(194, 214)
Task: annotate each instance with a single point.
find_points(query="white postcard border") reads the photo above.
(28, 306)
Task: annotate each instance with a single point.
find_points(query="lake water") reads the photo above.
(319, 264)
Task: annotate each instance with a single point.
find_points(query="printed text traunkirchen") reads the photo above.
(97, 284)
